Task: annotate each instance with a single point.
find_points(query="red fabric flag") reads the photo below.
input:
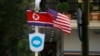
(61, 21)
(39, 18)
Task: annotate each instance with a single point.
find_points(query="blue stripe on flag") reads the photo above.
(40, 24)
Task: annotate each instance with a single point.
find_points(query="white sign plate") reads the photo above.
(36, 41)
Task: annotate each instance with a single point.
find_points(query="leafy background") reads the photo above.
(14, 29)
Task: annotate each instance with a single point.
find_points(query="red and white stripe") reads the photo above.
(62, 22)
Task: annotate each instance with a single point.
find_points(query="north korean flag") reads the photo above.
(39, 18)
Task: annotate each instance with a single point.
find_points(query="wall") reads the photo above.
(72, 42)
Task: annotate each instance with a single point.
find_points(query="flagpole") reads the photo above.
(37, 8)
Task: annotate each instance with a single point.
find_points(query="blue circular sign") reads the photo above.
(36, 41)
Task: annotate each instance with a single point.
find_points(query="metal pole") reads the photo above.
(85, 44)
(37, 8)
(36, 53)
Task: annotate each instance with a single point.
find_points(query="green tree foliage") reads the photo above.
(62, 7)
(58, 7)
(13, 28)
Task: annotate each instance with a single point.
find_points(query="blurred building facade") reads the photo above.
(70, 45)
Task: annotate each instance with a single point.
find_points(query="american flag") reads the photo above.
(61, 21)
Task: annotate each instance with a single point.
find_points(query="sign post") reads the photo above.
(36, 53)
